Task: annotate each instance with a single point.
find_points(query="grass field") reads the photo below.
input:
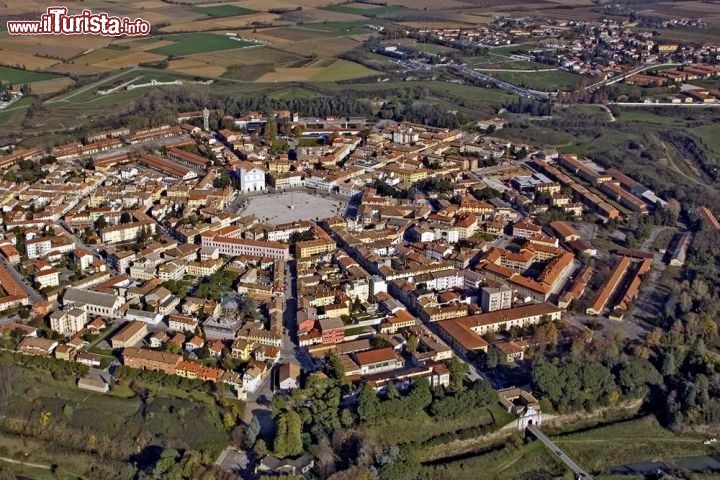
(423, 427)
(640, 115)
(197, 43)
(168, 417)
(218, 11)
(709, 136)
(343, 70)
(531, 460)
(15, 111)
(597, 449)
(17, 76)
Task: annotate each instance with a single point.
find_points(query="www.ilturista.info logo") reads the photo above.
(57, 22)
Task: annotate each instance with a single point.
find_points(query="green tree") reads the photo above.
(288, 435)
(458, 372)
(271, 130)
(368, 404)
(100, 223)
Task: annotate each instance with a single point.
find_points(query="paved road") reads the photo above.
(577, 469)
(512, 88)
(63, 98)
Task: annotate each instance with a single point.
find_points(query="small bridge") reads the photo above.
(580, 474)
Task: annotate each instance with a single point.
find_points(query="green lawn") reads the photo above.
(643, 115)
(222, 11)
(17, 76)
(531, 460)
(343, 70)
(197, 43)
(709, 136)
(423, 427)
(597, 449)
(16, 110)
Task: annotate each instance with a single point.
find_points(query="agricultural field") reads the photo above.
(343, 70)
(320, 30)
(17, 76)
(25, 61)
(333, 48)
(224, 23)
(249, 56)
(326, 70)
(193, 43)
(196, 67)
(365, 9)
(49, 46)
(222, 10)
(45, 87)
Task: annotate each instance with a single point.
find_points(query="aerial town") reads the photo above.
(202, 254)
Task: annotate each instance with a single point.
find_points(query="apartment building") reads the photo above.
(68, 322)
(239, 246)
(497, 297)
(144, 359)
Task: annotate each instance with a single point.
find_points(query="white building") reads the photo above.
(38, 247)
(48, 278)
(252, 378)
(252, 178)
(182, 323)
(358, 289)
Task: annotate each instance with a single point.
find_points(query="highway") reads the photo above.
(580, 474)
(525, 92)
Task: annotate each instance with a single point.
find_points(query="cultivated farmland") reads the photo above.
(16, 76)
(222, 10)
(197, 43)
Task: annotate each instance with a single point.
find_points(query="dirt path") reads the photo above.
(26, 464)
(675, 168)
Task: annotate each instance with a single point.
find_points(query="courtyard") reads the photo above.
(275, 209)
